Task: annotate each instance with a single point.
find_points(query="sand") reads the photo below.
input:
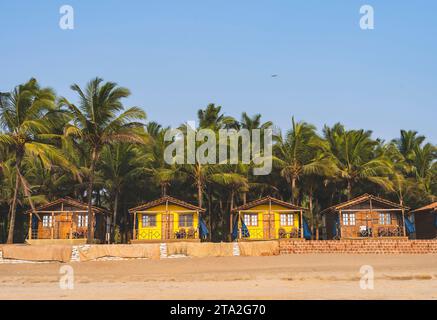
(277, 277)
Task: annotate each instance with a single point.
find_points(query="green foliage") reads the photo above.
(101, 152)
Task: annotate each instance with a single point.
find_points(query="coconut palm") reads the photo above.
(252, 123)
(425, 168)
(99, 120)
(119, 167)
(357, 158)
(161, 173)
(408, 142)
(28, 117)
(299, 154)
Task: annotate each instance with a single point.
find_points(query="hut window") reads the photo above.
(148, 220)
(251, 220)
(384, 218)
(349, 219)
(186, 220)
(47, 221)
(287, 219)
(82, 221)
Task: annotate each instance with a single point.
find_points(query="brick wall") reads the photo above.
(385, 246)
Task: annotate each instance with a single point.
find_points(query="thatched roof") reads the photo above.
(428, 208)
(164, 200)
(364, 198)
(69, 202)
(268, 200)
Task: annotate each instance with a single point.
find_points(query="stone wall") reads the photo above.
(383, 246)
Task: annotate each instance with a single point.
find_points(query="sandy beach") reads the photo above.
(277, 277)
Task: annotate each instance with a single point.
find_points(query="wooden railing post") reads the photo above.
(30, 226)
(52, 231)
(133, 227)
(301, 224)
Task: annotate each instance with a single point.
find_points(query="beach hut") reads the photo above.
(426, 221)
(166, 219)
(366, 216)
(267, 218)
(64, 221)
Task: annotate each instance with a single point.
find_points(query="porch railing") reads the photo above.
(377, 231)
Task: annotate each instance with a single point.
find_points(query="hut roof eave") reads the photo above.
(68, 201)
(164, 199)
(266, 200)
(430, 207)
(361, 199)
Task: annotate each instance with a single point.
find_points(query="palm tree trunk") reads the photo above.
(230, 215)
(293, 187)
(114, 216)
(90, 236)
(210, 214)
(199, 193)
(310, 205)
(349, 189)
(13, 208)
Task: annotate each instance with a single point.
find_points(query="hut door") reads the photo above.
(62, 226)
(167, 226)
(269, 226)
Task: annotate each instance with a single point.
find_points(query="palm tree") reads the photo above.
(209, 118)
(251, 123)
(119, 167)
(212, 118)
(162, 173)
(425, 168)
(356, 157)
(408, 142)
(299, 155)
(99, 120)
(230, 178)
(28, 116)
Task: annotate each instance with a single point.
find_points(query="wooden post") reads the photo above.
(71, 225)
(371, 217)
(403, 222)
(94, 224)
(133, 226)
(269, 220)
(340, 224)
(230, 223)
(198, 225)
(30, 226)
(52, 231)
(167, 223)
(301, 224)
(239, 221)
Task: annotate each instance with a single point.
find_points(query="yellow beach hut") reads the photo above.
(166, 219)
(269, 218)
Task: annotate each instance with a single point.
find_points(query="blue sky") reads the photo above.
(178, 56)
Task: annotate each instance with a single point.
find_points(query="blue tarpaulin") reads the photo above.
(335, 226)
(34, 222)
(409, 226)
(306, 230)
(235, 229)
(203, 229)
(244, 231)
(435, 220)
